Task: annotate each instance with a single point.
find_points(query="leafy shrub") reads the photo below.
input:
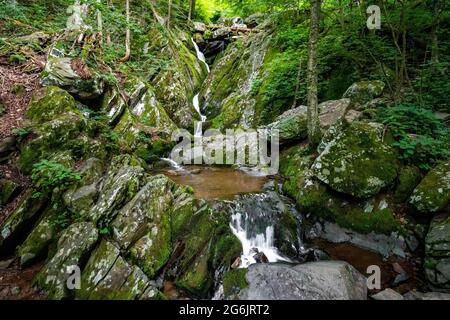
(421, 137)
(48, 175)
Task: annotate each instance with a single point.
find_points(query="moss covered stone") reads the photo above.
(233, 282)
(437, 254)
(73, 245)
(433, 192)
(354, 160)
(7, 190)
(49, 103)
(364, 91)
(408, 178)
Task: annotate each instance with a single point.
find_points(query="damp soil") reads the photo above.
(16, 283)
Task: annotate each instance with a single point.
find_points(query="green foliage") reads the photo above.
(48, 175)
(21, 133)
(421, 137)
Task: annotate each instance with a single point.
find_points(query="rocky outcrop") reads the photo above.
(433, 193)
(323, 280)
(354, 160)
(437, 254)
(74, 244)
(292, 124)
(72, 75)
(8, 189)
(364, 91)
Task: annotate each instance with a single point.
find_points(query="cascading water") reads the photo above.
(195, 100)
(173, 164)
(253, 219)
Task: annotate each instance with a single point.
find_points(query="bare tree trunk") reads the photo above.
(191, 9)
(169, 14)
(314, 134)
(297, 83)
(100, 23)
(108, 34)
(128, 34)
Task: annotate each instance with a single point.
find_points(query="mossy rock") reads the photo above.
(364, 91)
(433, 193)
(408, 178)
(74, 244)
(354, 160)
(437, 254)
(49, 103)
(233, 282)
(7, 191)
(364, 216)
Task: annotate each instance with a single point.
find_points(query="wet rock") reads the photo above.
(332, 111)
(20, 220)
(214, 47)
(386, 245)
(387, 294)
(260, 257)
(415, 295)
(75, 242)
(400, 278)
(364, 91)
(324, 280)
(8, 189)
(437, 254)
(221, 33)
(433, 193)
(354, 160)
(113, 105)
(6, 263)
(60, 72)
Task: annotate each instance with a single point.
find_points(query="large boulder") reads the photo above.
(433, 193)
(74, 76)
(50, 102)
(364, 91)
(293, 124)
(75, 243)
(8, 189)
(437, 254)
(323, 280)
(19, 222)
(354, 159)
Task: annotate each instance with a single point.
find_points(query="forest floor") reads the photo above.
(16, 283)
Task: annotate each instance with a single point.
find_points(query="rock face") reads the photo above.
(433, 193)
(323, 280)
(437, 254)
(354, 160)
(74, 243)
(292, 124)
(73, 76)
(364, 91)
(7, 191)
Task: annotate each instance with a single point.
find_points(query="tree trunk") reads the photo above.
(100, 23)
(297, 83)
(314, 134)
(191, 9)
(128, 34)
(169, 14)
(108, 34)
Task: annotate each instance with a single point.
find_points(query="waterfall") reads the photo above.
(200, 55)
(195, 100)
(173, 164)
(252, 222)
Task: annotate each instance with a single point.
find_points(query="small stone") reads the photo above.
(236, 263)
(260, 257)
(387, 294)
(398, 268)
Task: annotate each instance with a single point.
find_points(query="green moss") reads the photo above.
(408, 179)
(234, 281)
(50, 102)
(7, 190)
(380, 221)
